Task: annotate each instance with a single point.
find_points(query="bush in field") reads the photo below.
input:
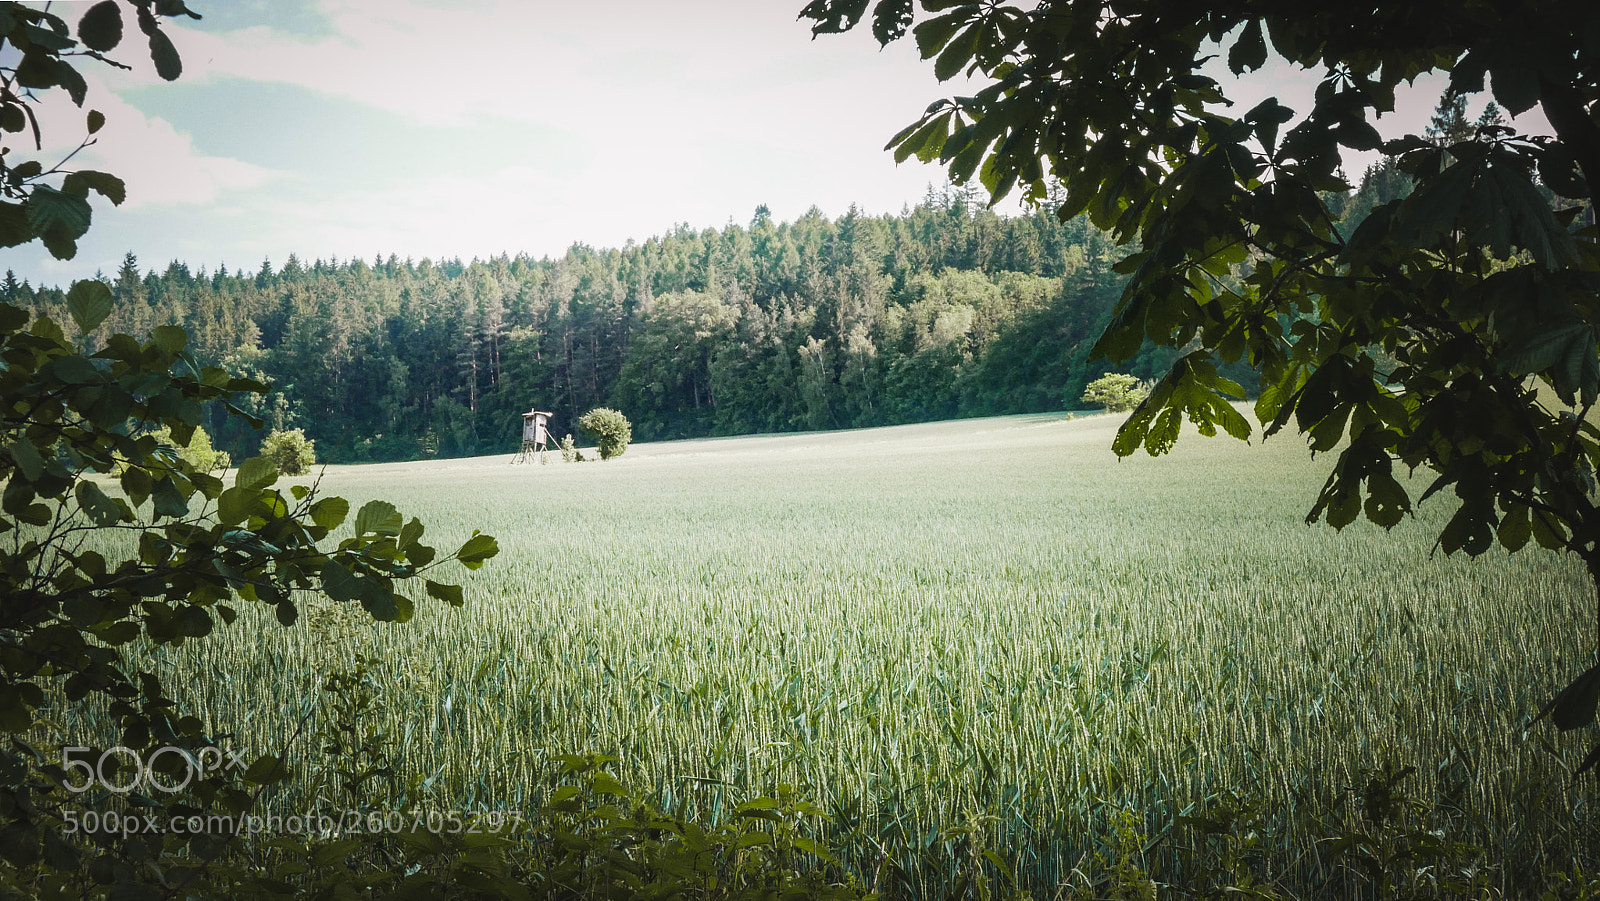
(291, 451)
(610, 429)
(198, 453)
(1117, 392)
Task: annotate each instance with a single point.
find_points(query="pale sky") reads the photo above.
(426, 128)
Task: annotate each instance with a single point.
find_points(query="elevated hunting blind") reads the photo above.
(535, 435)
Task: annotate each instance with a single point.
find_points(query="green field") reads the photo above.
(989, 623)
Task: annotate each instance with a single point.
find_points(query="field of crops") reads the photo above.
(979, 632)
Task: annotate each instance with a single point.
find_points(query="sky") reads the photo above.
(334, 129)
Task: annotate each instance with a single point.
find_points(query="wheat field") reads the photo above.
(977, 632)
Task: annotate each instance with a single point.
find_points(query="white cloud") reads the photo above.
(158, 163)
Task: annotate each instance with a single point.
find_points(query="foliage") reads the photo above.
(1116, 870)
(72, 615)
(1117, 392)
(610, 842)
(290, 451)
(51, 205)
(1399, 847)
(1472, 282)
(569, 451)
(82, 631)
(198, 453)
(610, 428)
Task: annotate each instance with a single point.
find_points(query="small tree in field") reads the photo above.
(611, 430)
(1115, 391)
(291, 451)
(198, 453)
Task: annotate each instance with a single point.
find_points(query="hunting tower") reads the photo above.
(535, 435)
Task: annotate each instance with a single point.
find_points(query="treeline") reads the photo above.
(943, 311)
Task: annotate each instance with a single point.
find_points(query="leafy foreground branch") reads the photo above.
(1456, 330)
(80, 454)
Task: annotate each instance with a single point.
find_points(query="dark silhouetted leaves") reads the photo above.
(101, 27)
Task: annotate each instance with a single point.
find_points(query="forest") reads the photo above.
(946, 310)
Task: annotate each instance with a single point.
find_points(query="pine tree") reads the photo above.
(1449, 124)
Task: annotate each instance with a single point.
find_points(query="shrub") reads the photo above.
(198, 453)
(1115, 391)
(610, 429)
(291, 451)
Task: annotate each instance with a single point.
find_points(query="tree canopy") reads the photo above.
(1454, 330)
(945, 309)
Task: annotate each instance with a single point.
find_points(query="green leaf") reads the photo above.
(109, 186)
(1589, 762)
(338, 582)
(1163, 432)
(14, 227)
(926, 142)
(816, 849)
(96, 121)
(1528, 217)
(934, 34)
(382, 605)
(235, 504)
(101, 508)
(193, 621)
(169, 338)
(1516, 528)
(71, 81)
(27, 458)
(378, 517)
(136, 485)
(254, 473)
(1430, 212)
(1567, 350)
(118, 633)
(402, 606)
(266, 770)
(174, 8)
(1575, 705)
(330, 512)
(606, 784)
(450, 594)
(169, 501)
(74, 370)
(1387, 502)
(833, 16)
(1515, 83)
(101, 27)
(411, 534)
(477, 549)
(1249, 52)
(890, 19)
(958, 53)
(89, 302)
(164, 55)
(58, 219)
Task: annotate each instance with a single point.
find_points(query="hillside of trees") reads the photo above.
(945, 310)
